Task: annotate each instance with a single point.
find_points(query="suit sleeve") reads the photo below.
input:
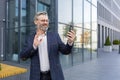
(64, 49)
(28, 50)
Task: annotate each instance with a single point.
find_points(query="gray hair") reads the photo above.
(39, 13)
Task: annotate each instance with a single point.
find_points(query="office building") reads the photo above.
(108, 21)
(16, 23)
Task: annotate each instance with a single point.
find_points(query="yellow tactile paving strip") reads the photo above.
(8, 70)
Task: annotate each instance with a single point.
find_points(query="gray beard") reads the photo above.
(43, 28)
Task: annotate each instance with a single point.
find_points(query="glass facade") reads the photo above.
(81, 14)
(12, 31)
(20, 21)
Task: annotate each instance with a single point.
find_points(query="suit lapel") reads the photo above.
(48, 42)
(33, 35)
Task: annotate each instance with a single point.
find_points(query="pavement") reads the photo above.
(105, 67)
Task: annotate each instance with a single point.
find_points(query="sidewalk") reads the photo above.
(106, 67)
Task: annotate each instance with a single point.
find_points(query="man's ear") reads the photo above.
(35, 22)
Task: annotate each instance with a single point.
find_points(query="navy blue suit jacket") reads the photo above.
(54, 46)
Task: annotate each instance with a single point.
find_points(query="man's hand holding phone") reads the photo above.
(71, 37)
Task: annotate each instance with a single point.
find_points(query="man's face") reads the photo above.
(42, 22)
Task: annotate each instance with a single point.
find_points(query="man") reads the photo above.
(43, 49)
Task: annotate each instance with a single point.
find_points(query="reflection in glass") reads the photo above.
(86, 42)
(94, 44)
(65, 59)
(88, 0)
(94, 18)
(23, 23)
(82, 46)
(77, 49)
(41, 7)
(77, 18)
(87, 15)
(65, 11)
(77, 13)
(11, 48)
(94, 2)
(23, 16)
(88, 28)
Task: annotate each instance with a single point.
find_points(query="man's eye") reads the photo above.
(44, 20)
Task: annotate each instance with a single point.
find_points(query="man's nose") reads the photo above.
(46, 22)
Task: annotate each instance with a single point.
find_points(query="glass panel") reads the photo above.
(86, 35)
(86, 43)
(94, 44)
(23, 20)
(41, 7)
(45, 1)
(77, 18)
(94, 2)
(23, 16)
(11, 49)
(65, 59)
(13, 13)
(77, 14)
(88, 0)
(16, 8)
(12, 46)
(65, 11)
(77, 49)
(87, 15)
(23, 24)
(94, 18)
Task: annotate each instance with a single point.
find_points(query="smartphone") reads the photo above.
(70, 28)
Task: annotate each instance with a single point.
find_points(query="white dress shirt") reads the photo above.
(43, 53)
